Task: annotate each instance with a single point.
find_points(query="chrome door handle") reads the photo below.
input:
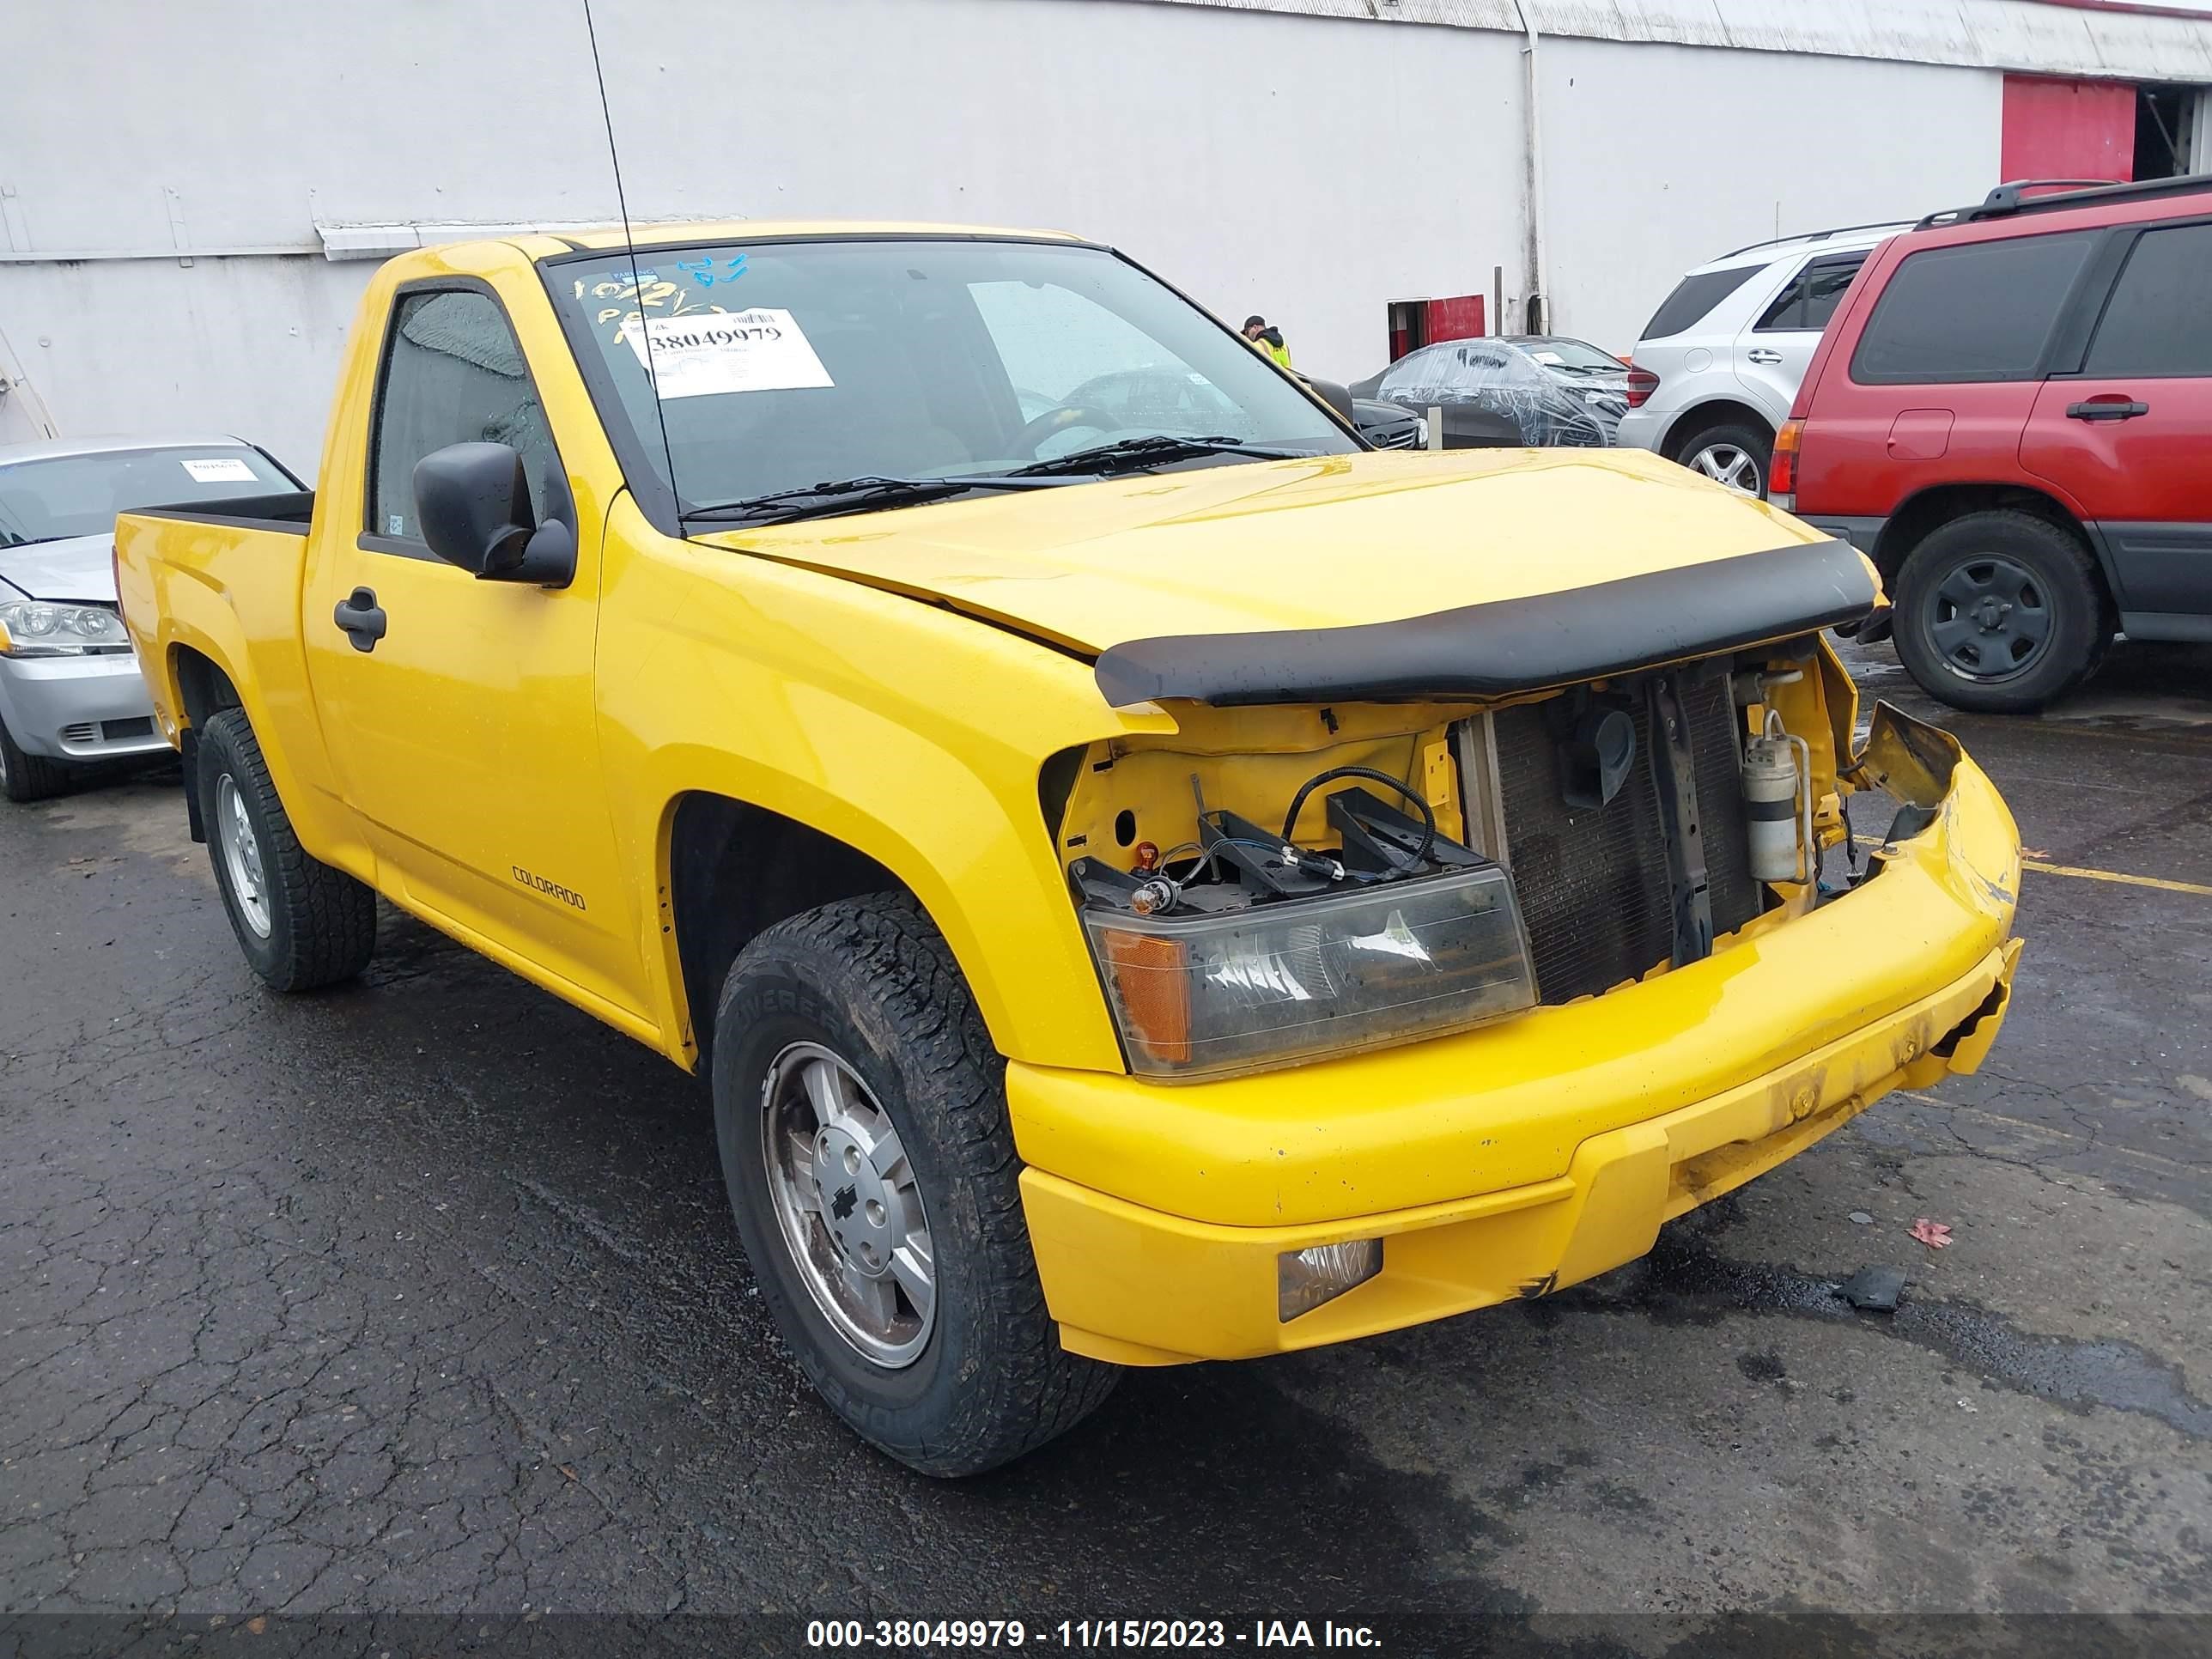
(1763, 356)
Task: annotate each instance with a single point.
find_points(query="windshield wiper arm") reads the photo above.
(1148, 450)
(846, 495)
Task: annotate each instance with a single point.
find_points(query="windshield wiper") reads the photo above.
(1148, 451)
(847, 496)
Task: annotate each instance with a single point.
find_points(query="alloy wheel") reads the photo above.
(1730, 465)
(848, 1204)
(241, 855)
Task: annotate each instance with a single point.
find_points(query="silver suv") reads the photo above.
(1719, 362)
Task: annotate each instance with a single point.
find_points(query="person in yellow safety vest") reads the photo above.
(1267, 342)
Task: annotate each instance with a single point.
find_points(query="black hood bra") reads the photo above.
(1509, 645)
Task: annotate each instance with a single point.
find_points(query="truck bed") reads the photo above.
(289, 512)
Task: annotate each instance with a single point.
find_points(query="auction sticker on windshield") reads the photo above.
(220, 470)
(705, 353)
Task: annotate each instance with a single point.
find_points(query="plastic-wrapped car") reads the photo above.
(1493, 395)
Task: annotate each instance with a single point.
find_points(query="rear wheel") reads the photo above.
(300, 923)
(26, 777)
(1734, 455)
(2001, 611)
(861, 1110)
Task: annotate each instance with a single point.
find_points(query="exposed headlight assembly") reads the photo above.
(35, 627)
(1201, 995)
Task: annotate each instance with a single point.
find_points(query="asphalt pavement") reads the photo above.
(422, 1294)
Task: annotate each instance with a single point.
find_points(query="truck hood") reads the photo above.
(79, 568)
(1285, 556)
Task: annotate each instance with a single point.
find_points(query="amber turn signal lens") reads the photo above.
(1153, 991)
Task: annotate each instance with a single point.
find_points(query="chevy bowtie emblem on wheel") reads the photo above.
(840, 1206)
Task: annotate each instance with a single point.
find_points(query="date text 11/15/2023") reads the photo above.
(938, 1634)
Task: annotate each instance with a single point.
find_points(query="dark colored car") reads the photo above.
(1596, 377)
(1493, 394)
(2011, 413)
(1390, 426)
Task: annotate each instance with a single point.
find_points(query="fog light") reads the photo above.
(1306, 1278)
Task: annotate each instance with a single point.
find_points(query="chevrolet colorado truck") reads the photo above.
(1147, 877)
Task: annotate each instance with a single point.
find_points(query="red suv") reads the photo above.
(2011, 412)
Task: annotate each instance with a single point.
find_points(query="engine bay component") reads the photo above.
(1596, 735)
(1776, 769)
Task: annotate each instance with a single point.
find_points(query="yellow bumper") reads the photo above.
(1157, 1214)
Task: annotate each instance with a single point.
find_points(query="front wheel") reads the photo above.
(27, 777)
(861, 1114)
(2000, 611)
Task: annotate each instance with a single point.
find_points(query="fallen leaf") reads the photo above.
(1935, 1234)
(2033, 852)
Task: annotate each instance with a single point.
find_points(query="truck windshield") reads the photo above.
(781, 366)
(49, 497)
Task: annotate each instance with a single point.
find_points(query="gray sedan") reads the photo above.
(71, 695)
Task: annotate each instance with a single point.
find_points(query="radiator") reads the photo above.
(1593, 881)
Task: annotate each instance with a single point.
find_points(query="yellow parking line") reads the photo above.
(2041, 868)
(2158, 882)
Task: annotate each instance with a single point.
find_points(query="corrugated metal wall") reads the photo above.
(2046, 37)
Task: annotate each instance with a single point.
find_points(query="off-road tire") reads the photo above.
(322, 922)
(872, 980)
(2065, 571)
(1756, 442)
(26, 777)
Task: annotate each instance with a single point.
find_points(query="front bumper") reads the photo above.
(1157, 1214)
(82, 709)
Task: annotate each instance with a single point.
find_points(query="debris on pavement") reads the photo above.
(1874, 1289)
(1935, 1234)
(1860, 1217)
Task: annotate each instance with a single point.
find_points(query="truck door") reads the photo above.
(2126, 438)
(464, 732)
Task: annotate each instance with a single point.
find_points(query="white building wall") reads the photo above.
(1307, 166)
(1661, 157)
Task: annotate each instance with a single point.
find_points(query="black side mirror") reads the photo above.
(473, 503)
(1336, 396)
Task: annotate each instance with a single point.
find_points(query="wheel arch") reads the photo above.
(1701, 418)
(732, 865)
(201, 685)
(1926, 511)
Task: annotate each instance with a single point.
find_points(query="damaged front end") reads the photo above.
(1624, 913)
(1285, 880)
(1272, 885)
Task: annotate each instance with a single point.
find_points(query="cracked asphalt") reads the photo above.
(423, 1295)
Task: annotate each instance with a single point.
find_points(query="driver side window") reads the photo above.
(453, 373)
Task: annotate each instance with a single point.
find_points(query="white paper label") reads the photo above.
(716, 351)
(224, 470)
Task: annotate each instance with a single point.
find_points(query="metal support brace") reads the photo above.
(1675, 778)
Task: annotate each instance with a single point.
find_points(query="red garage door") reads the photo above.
(2068, 129)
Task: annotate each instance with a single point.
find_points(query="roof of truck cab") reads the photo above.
(552, 244)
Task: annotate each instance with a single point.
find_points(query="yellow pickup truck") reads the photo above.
(1148, 878)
